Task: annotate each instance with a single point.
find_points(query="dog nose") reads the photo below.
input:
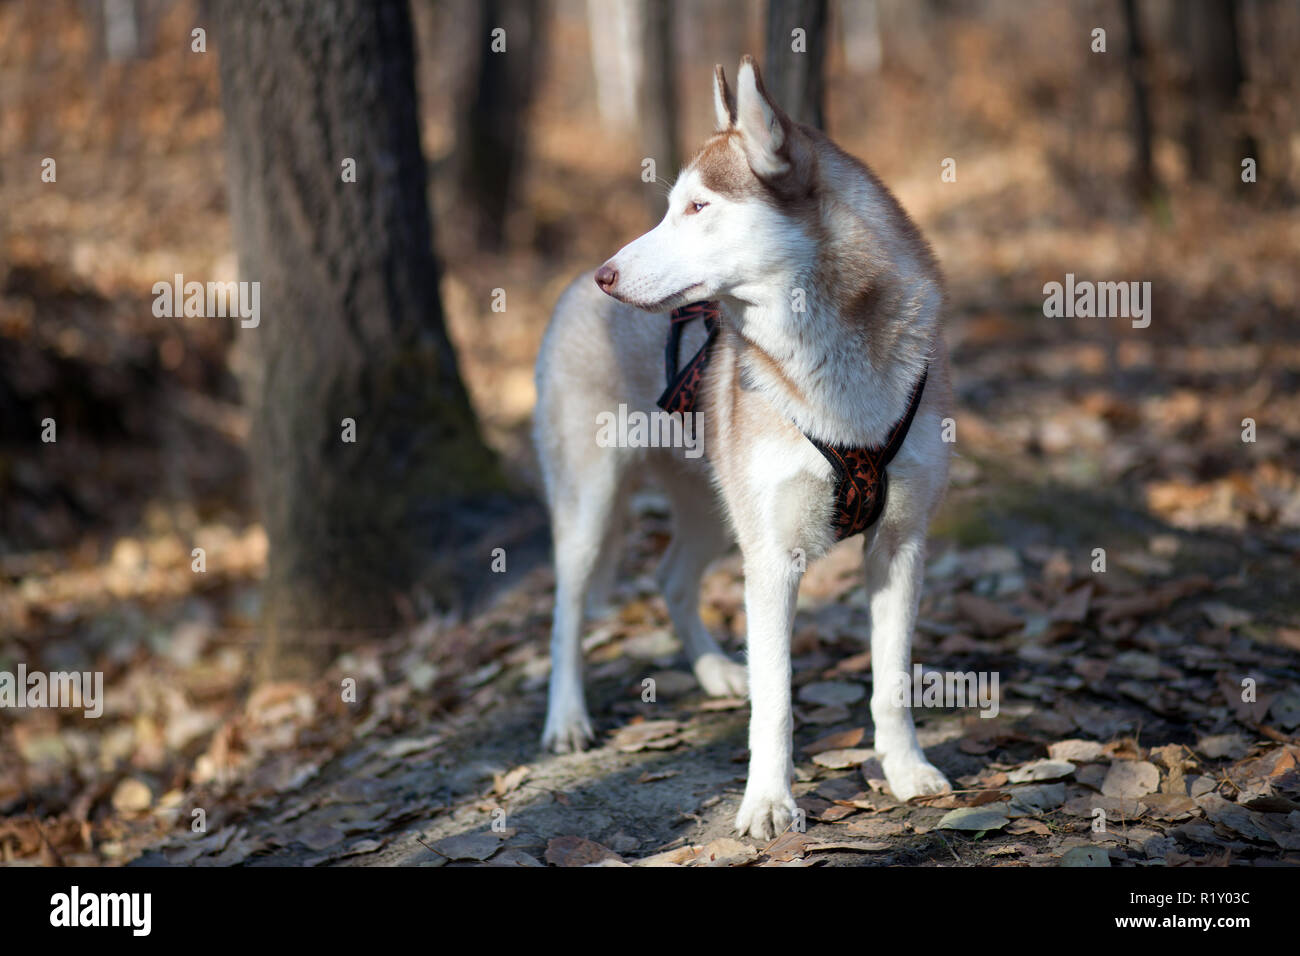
(606, 277)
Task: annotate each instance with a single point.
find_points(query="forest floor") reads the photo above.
(1162, 692)
(1121, 695)
(1161, 695)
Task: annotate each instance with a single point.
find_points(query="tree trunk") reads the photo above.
(491, 140)
(860, 32)
(659, 100)
(1214, 136)
(614, 31)
(121, 29)
(351, 324)
(1144, 182)
(795, 73)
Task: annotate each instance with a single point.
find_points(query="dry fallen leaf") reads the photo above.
(1076, 751)
(843, 759)
(320, 837)
(1073, 607)
(576, 851)
(873, 827)
(725, 851)
(1129, 779)
(990, 817)
(837, 741)
(648, 735)
(1233, 746)
(678, 857)
(132, 797)
(791, 845)
(1085, 856)
(1028, 825)
(1038, 770)
(987, 618)
(504, 783)
(468, 846)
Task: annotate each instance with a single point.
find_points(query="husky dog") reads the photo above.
(829, 305)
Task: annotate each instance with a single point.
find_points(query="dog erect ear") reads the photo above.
(765, 129)
(724, 103)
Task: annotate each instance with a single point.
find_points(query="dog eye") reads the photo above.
(693, 208)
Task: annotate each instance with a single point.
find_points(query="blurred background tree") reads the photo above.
(794, 69)
(1213, 135)
(494, 125)
(659, 103)
(1144, 181)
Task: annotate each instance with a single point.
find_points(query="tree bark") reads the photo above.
(797, 80)
(860, 33)
(492, 136)
(1214, 135)
(351, 324)
(616, 49)
(659, 100)
(1144, 181)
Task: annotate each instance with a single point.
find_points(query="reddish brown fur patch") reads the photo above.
(723, 168)
(908, 230)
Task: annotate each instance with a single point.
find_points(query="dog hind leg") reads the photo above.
(699, 535)
(582, 511)
(601, 589)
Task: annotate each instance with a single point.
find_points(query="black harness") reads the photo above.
(861, 477)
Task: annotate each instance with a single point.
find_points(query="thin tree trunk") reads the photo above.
(797, 79)
(493, 129)
(351, 324)
(659, 99)
(616, 50)
(1144, 181)
(860, 29)
(121, 29)
(1213, 135)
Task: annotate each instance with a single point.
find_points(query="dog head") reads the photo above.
(738, 216)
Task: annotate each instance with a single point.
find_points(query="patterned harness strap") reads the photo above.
(861, 477)
(684, 386)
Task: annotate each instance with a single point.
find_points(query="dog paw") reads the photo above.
(914, 776)
(567, 735)
(720, 676)
(765, 816)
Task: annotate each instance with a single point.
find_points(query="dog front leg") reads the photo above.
(894, 582)
(771, 587)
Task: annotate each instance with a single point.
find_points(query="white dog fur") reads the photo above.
(769, 212)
